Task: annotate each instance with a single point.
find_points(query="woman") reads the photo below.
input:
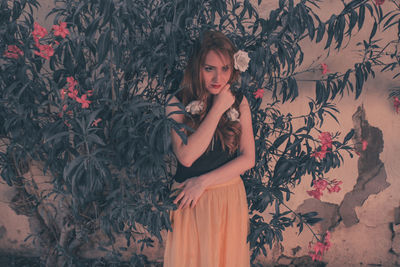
(210, 226)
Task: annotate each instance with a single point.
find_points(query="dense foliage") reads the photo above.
(389, 51)
(88, 101)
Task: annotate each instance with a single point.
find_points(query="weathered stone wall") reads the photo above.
(364, 217)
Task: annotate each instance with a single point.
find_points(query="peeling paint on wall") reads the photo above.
(371, 178)
(371, 170)
(327, 211)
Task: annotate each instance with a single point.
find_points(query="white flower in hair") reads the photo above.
(242, 60)
(195, 107)
(232, 114)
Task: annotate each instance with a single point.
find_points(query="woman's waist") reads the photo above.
(183, 173)
(231, 181)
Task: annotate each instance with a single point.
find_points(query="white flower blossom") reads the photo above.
(242, 60)
(232, 114)
(195, 107)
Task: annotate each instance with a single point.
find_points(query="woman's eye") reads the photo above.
(226, 68)
(208, 68)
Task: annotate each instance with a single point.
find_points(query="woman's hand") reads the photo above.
(192, 189)
(224, 100)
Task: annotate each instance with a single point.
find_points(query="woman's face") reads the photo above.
(216, 72)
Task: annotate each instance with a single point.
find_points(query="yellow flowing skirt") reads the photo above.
(214, 232)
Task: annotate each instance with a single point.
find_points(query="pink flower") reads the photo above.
(316, 193)
(326, 140)
(379, 2)
(71, 83)
(259, 93)
(324, 68)
(90, 92)
(325, 147)
(319, 154)
(396, 104)
(315, 257)
(327, 236)
(45, 51)
(13, 52)
(38, 32)
(63, 92)
(364, 145)
(73, 94)
(335, 188)
(85, 103)
(61, 30)
(96, 122)
(320, 184)
(320, 247)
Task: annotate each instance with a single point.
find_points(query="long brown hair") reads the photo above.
(193, 88)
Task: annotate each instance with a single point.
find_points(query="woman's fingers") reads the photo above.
(182, 198)
(179, 197)
(184, 202)
(226, 87)
(194, 202)
(181, 203)
(182, 193)
(189, 195)
(181, 184)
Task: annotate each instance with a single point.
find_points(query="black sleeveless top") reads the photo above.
(210, 160)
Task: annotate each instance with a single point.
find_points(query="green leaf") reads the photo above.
(55, 137)
(104, 45)
(373, 32)
(361, 16)
(339, 31)
(331, 31)
(359, 80)
(310, 27)
(320, 92)
(353, 21)
(278, 142)
(348, 136)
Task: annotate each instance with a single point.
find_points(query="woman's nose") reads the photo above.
(216, 76)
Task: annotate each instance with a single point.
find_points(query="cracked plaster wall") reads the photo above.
(372, 175)
(14, 228)
(362, 217)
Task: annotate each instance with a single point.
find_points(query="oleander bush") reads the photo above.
(86, 99)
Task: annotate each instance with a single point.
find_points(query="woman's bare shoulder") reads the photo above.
(172, 98)
(244, 101)
(174, 108)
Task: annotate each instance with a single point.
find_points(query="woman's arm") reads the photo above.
(193, 188)
(198, 142)
(244, 161)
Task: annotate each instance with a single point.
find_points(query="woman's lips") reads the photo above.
(215, 86)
